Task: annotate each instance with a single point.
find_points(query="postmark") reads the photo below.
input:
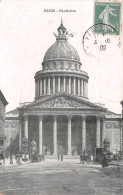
(95, 44)
(107, 13)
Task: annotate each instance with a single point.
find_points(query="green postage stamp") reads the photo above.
(109, 14)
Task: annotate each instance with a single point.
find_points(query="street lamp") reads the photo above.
(11, 160)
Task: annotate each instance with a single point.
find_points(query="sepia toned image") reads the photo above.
(61, 97)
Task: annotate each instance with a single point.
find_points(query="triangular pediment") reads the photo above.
(62, 101)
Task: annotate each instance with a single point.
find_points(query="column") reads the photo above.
(40, 134)
(78, 86)
(83, 133)
(40, 87)
(98, 132)
(74, 84)
(54, 135)
(20, 132)
(69, 135)
(44, 86)
(53, 85)
(64, 84)
(103, 130)
(49, 86)
(58, 84)
(26, 126)
(35, 88)
(121, 132)
(81, 87)
(86, 89)
(70, 85)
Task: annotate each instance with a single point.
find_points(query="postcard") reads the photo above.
(61, 97)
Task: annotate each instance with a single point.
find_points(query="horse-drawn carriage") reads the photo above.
(103, 156)
(38, 157)
(84, 158)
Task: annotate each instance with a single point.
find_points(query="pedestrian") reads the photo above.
(18, 159)
(61, 157)
(11, 159)
(58, 157)
(81, 158)
(3, 157)
(104, 161)
(43, 157)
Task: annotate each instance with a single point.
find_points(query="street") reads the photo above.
(51, 177)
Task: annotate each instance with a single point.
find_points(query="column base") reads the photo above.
(69, 154)
(51, 156)
(40, 153)
(55, 154)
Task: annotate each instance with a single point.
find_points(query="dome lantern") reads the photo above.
(61, 32)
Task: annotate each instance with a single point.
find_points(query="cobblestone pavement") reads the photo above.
(60, 178)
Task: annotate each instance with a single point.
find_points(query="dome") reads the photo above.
(61, 69)
(61, 50)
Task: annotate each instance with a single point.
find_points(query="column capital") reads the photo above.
(83, 117)
(98, 117)
(41, 117)
(55, 117)
(20, 117)
(26, 117)
(69, 117)
(103, 118)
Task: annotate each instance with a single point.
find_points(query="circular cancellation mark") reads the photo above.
(100, 38)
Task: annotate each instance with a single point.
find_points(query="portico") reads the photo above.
(69, 130)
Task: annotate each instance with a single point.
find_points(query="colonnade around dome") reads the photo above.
(52, 85)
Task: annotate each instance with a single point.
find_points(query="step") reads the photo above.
(65, 156)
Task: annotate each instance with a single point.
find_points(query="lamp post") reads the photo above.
(11, 160)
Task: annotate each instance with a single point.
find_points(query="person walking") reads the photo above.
(61, 157)
(3, 157)
(58, 157)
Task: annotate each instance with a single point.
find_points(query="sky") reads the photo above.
(26, 32)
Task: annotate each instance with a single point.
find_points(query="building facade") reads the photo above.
(61, 119)
(3, 103)
(11, 126)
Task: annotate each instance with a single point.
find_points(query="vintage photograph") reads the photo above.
(61, 97)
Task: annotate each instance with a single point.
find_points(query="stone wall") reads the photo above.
(2, 117)
(113, 133)
(11, 130)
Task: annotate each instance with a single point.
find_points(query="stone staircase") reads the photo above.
(65, 156)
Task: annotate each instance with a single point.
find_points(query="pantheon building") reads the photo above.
(61, 118)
